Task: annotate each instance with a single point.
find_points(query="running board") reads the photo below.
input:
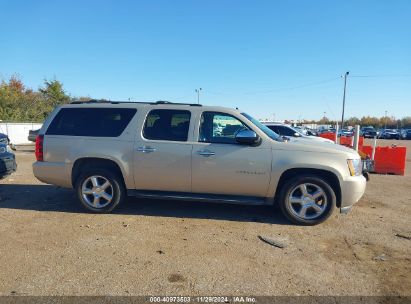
(209, 198)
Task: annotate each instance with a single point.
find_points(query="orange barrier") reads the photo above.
(328, 135)
(388, 160)
(344, 140)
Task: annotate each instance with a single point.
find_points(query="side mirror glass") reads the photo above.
(247, 137)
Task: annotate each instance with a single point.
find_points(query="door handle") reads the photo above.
(146, 149)
(205, 153)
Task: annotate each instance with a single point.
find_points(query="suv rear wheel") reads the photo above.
(99, 190)
(307, 200)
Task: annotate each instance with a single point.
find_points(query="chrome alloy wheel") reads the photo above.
(97, 191)
(307, 201)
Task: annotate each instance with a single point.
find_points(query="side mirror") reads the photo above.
(247, 137)
(296, 134)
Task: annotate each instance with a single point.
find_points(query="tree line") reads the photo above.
(19, 103)
(388, 122)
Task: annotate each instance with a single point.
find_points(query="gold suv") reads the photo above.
(108, 150)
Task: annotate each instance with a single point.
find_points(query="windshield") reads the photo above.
(270, 133)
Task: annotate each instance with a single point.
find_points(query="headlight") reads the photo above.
(355, 166)
(3, 150)
(8, 149)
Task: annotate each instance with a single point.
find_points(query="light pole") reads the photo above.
(385, 119)
(198, 94)
(343, 109)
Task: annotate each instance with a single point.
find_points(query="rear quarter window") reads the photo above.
(96, 122)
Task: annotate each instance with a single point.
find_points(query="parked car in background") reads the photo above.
(406, 134)
(390, 134)
(293, 133)
(300, 130)
(368, 132)
(345, 132)
(7, 161)
(311, 132)
(321, 131)
(108, 150)
(32, 135)
(4, 139)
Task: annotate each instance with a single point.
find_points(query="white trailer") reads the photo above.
(18, 132)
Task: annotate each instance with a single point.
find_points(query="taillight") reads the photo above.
(39, 147)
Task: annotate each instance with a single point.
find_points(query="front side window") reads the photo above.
(165, 124)
(219, 128)
(95, 122)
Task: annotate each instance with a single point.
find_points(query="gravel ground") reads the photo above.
(49, 246)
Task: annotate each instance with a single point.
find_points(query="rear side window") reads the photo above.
(170, 125)
(97, 122)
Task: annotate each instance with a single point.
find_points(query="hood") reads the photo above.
(312, 139)
(307, 145)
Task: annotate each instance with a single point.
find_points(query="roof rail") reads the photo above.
(165, 102)
(160, 102)
(100, 101)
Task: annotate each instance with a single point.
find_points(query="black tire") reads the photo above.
(117, 190)
(312, 180)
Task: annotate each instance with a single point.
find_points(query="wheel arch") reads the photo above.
(88, 163)
(329, 177)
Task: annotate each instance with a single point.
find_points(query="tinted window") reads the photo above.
(219, 128)
(286, 131)
(98, 122)
(274, 128)
(167, 125)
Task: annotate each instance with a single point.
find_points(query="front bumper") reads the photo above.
(352, 189)
(7, 164)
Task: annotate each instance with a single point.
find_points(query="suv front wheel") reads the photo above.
(99, 190)
(307, 200)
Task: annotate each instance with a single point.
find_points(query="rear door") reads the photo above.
(162, 153)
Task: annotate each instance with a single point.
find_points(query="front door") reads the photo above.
(162, 154)
(222, 166)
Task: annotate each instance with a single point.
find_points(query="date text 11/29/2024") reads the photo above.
(202, 299)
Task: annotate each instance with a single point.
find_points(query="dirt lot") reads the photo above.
(48, 246)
